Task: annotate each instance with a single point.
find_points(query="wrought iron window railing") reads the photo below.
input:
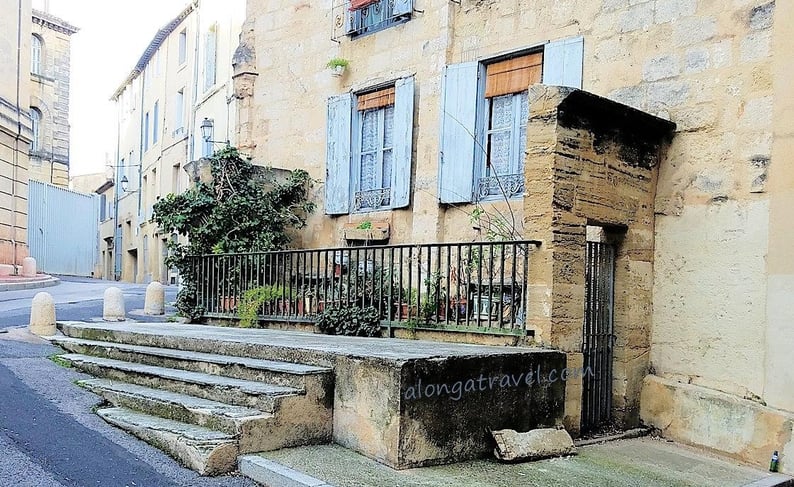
(353, 20)
(476, 287)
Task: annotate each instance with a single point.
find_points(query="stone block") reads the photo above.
(541, 443)
(694, 30)
(697, 60)
(756, 46)
(637, 17)
(661, 67)
(670, 10)
(761, 17)
(667, 94)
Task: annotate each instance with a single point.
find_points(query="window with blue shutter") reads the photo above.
(370, 146)
(484, 119)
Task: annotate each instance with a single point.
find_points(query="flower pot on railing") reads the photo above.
(228, 304)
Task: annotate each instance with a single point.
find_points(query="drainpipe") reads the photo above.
(192, 122)
(116, 231)
(16, 140)
(140, 147)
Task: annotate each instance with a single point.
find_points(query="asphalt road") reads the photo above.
(49, 435)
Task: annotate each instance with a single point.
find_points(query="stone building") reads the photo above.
(49, 99)
(182, 78)
(432, 125)
(16, 134)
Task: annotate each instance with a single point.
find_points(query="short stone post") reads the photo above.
(113, 308)
(42, 315)
(28, 267)
(155, 299)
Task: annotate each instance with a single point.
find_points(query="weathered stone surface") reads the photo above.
(42, 315)
(113, 306)
(205, 451)
(512, 446)
(6, 269)
(29, 267)
(154, 303)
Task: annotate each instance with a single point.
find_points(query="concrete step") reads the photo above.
(227, 418)
(270, 371)
(268, 472)
(239, 392)
(206, 451)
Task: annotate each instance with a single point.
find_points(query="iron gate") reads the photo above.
(598, 337)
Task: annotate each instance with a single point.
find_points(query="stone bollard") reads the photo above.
(155, 299)
(42, 315)
(28, 267)
(113, 308)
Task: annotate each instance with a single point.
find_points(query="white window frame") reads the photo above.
(509, 185)
(36, 54)
(211, 58)
(35, 126)
(182, 47)
(156, 123)
(383, 194)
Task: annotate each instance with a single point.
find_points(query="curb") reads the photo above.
(635, 433)
(776, 480)
(273, 474)
(35, 284)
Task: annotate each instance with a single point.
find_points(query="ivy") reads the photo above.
(245, 208)
(350, 321)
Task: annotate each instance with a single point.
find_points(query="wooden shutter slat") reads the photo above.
(513, 75)
(403, 143)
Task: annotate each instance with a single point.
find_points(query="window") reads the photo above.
(36, 51)
(146, 132)
(179, 112)
(210, 57)
(182, 47)
(507, 100)
(484, 119)
(155, 122)
(35, 125)
(365, 16)
(376, 149)
(369, 149)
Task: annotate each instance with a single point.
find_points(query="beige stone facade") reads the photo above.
(15, 128)
(704, 274)
(49, 98)
(183, 77)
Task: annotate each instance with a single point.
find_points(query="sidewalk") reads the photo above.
(640, 462)
(17, 283)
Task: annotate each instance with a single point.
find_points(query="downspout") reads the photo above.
(193, 111)
(116, 231)
(140, 147)
(16, 140)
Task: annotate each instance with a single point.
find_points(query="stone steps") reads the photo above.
(203, 408)
(273, 372)
(226, 418)
(206, 451)
(239, 392)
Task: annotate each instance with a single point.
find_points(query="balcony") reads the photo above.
(354, 18)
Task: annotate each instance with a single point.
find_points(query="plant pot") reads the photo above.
(337, 71)
(228, 304)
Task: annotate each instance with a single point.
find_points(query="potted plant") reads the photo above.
(337, 66)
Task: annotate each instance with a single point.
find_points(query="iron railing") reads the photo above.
(473, 287)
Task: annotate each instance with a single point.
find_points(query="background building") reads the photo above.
(16, 134)
(432, 106)
(183, 77)
(49, 98)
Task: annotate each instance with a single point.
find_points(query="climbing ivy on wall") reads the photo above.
(245, 208)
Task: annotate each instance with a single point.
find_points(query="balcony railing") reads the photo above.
(473, 287)
(372, 17)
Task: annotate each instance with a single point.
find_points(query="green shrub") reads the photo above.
(252, 301)
(350, 321)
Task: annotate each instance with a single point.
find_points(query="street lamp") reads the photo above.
(207, 131)
(125, 185)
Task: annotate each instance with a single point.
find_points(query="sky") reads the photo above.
(113, 35)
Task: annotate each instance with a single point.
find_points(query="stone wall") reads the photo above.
(49, 162)
(15, 132)
(593, 162)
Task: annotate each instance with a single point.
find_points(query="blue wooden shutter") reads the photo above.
(337, 164)
(403, 142)
(458, 133)
(402, 7)
(563, 62)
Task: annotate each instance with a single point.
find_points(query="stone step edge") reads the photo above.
(196, 378)
(268, 472)
(217, 359)
(207, 456)
(199, 405)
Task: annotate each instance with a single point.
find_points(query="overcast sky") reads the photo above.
(113, 35)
